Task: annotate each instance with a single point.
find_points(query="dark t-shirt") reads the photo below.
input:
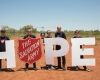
(80, 45)
(62, 35)
(78, 37)
(48, 37)
(2, 43)
(32, 36)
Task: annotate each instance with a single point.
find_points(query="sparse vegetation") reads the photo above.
(21, 32)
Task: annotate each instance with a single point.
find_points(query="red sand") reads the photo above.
(53, 74)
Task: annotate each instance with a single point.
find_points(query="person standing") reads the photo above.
(49, 66)
(62, 59)
(48, 34)
(77, 35)
(42, 35)
(3, 38)
(29, 34)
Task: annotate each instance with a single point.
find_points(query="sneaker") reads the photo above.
(58, 68)
(10, 70)
(0, 70)
(52, 68)
(26, 69)
(88, 70)
(49, 69)
(44, 67)
(35, 69)
(77, 68)
(64, 68)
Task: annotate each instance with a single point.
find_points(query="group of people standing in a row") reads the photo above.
(61, 61)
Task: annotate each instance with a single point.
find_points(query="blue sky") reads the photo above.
(70, 14)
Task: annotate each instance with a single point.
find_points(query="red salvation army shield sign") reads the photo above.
(29, 50)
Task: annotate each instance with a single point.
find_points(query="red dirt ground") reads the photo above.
(53, 74)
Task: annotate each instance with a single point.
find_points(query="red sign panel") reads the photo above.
(29, 50)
